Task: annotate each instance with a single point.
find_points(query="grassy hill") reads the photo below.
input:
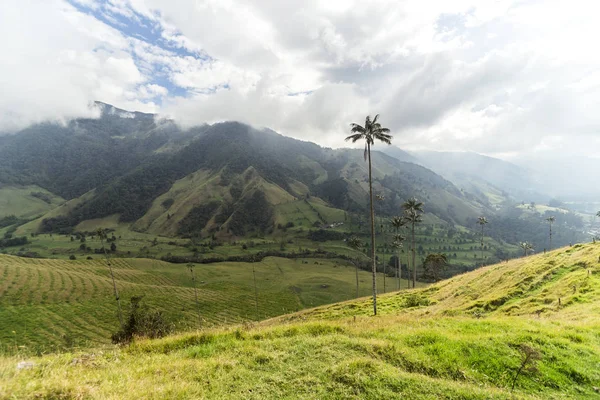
(47, 305)
(464, 338)
(26, 201)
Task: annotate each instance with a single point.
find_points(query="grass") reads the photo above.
(18, 200)
(439, 342)
(56, 304)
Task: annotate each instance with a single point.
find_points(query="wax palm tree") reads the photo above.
(398, 223)
(355, 243)
(102, 235)
(526, 246)
(398, 244)
(550, 220)
(372, 131)
(482, 221)
(412, 214)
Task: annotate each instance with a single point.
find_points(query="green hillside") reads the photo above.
(47, 305)
(26, 201)
(464, 338)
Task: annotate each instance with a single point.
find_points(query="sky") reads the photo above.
(513, 79)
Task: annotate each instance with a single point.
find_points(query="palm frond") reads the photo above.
(354, 138)
(356, 128)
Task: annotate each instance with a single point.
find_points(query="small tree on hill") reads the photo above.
(527, 247)
(434, 264)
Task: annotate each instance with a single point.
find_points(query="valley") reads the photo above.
(462, 338)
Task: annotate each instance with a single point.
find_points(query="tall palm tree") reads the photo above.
(371, 132)
(526, 246)
(482, 221)
(355, 243)
(412, 214)
(102, 235)
(550, 222)
(398, 223)
(398, 244)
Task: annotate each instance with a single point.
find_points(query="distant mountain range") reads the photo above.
(225, 179)
(489, 178)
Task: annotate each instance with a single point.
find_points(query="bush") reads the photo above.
(142, 322)
(72, 257)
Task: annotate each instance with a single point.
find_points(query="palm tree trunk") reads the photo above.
(372, 233)
(196, 296)
(255, 292)
(398, 269)
(112, 276)
(550, 247)
(482, 245)
(414, 261)
(356, 265)
(383, 260)
(408, 269)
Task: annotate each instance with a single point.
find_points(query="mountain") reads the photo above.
(224, 179)
(492, 180)
(526, 329)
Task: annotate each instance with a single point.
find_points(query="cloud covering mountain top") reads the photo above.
(512, 79)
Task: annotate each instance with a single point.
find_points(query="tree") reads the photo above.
(355, 243)
(371, 132)
(550, 220)
(398, 244)
(526, 246)
(482, 221)
(380, 199)
(412, 214)
(398, 223)
(102, 235)
(434, 264)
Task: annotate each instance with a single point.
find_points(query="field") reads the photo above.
(463, 338)
(462, 248)
(48, 305)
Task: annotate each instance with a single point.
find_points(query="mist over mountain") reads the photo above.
(123, 162)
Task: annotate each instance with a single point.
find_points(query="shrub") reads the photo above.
(142, 322)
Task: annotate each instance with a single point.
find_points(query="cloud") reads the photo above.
(488, 76)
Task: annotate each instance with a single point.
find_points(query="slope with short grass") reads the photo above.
(26, 201)
(464, 338)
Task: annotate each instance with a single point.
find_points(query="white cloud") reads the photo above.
(500, 77)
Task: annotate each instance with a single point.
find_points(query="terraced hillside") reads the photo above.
(464, 338)
(47, 305)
